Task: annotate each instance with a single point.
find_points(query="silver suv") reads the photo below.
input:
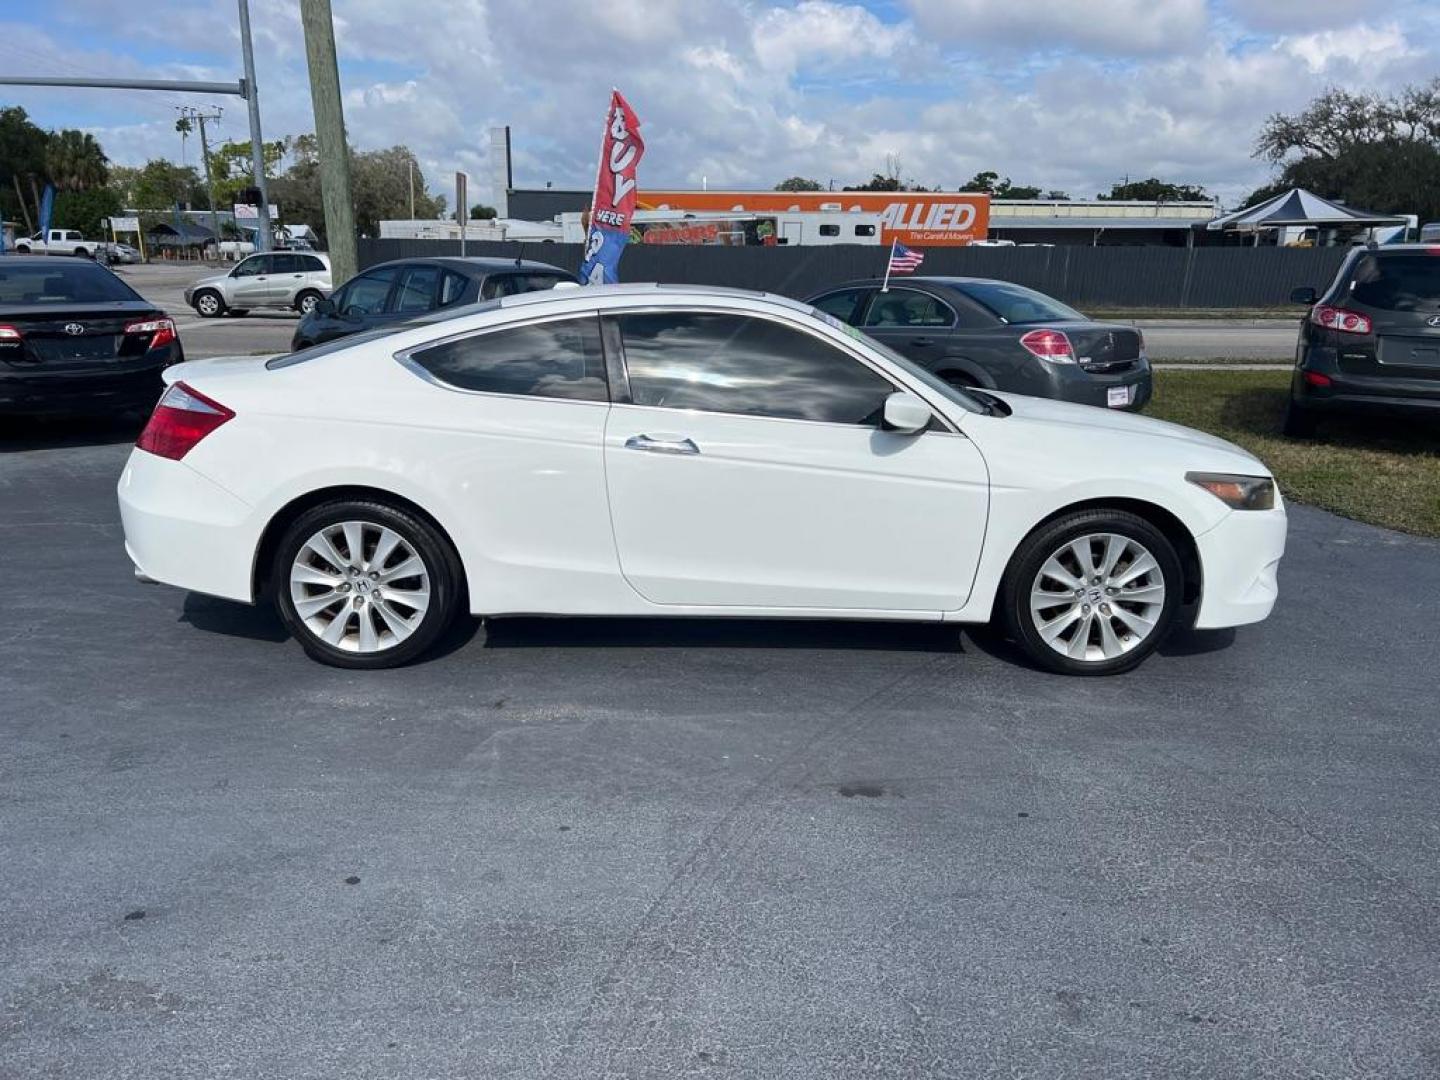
(283, 279)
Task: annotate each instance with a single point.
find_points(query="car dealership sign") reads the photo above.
(926, 218)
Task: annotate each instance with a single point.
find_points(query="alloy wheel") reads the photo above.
(208, 305)
(360, 586)
(1097, 597)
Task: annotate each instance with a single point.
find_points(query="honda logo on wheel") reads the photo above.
(74, 329)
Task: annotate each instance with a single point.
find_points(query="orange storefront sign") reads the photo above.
(926, 218)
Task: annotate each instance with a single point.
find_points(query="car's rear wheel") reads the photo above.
(1093, 592)
(209, 304)
(1299, 422)
(306, 301)
(365, 584)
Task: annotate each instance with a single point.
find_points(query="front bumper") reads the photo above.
(185, 530)
(1239, 565)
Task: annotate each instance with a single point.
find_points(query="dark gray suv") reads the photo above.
(1371, 340)
(981, 333)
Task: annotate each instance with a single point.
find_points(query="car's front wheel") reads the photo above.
(306, 301)
(365, 584)
(209, 305)
(1093, 592)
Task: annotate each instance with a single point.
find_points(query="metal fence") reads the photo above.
(1097, 277)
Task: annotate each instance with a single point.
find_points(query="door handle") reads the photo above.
(661, 446)
(922, 341)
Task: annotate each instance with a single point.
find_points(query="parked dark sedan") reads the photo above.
(74, 338)
(400, 290)
(975, 332)
(1372, 341)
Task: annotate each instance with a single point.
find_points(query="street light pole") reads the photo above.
(257, 146)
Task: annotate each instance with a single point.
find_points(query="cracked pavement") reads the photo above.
(600, 848)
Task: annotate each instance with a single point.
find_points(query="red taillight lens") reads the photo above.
(1314, 378)
(1050, 345)
(182, 418)
(9, 335)
(1347, 322)
(163, 329)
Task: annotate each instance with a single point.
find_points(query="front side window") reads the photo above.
(366, 294)
(561, 358)
(736, 364)
(1397, 282)
(906, 307)
(255, 264)
(416, 291)
(844, 305)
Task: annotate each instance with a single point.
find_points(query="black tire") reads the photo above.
(22, 249)
(1037, 548)
(81, 253)
(208, 304)
(306, 301)
(1299, 422)
(441, 564)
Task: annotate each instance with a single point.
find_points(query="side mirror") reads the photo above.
(906, 414)
(325, 307)
(1306, 295)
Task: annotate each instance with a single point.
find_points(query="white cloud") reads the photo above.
(1353, 44)
(1109, 27)
(823, 34)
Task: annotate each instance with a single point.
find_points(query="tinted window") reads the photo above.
(734, 364)
(498, 285)
(1017, 304)
(366, 294)
(864, 230)
(452, 288)
(844, 305)
(1397, 282)
(559, 359)
(310, 264)
(66, 283)
(256, 264)
(829, 230)
(905, 307)
(416, 291)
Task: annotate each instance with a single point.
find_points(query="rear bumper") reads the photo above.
(1239, 565)
(184, 530)
(1070, 382)
(1385, 393)
(31, 390)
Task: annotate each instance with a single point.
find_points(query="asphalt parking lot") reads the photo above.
(269, 331)
(655, 848)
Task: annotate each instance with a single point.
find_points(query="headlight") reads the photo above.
(1237, 492)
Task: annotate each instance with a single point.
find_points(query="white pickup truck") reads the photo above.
(57, 242)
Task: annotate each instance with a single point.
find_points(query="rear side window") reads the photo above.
(1397, 282)
(64, 284)
(509, 284)
(310, 264)
(906, 307)
(561, 358)
(452, 288)
(1017, 304)
(416, 291)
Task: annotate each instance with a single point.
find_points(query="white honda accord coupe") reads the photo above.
(673, 450)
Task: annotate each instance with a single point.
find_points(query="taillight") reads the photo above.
(9, 335)
(1316, 378)
(182, 418)
(1347, 322)
(1050, 345)
(163, 329)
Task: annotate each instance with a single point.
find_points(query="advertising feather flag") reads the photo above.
(614, 202)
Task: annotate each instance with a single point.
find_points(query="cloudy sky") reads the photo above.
(1070, 94)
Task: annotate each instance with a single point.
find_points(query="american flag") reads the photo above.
(903, 260)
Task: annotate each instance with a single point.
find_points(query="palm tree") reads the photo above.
(75, 162)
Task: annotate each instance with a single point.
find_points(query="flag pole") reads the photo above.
(885, 286)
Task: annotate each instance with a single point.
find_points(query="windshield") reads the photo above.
(930, 379)
(1017, 304)
(66, 283)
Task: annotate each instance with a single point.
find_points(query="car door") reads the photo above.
(286, 276)
(746, 468)
(415, 293)
(914, 323)
(250, 282)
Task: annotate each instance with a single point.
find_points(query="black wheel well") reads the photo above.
(1173, 528)
(966, 372)
(275, 528)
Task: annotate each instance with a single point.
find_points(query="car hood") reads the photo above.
(212, 279)
(1089, 418)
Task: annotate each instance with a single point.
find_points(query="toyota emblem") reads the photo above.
(1434, 320)
(74, 329)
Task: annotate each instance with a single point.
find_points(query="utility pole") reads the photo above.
(200, 118)
(411, 163)
(257, 145)
(330, 133)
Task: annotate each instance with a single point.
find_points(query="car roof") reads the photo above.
(39, 260)
(933, 280)
(650, 290)
(474, 265)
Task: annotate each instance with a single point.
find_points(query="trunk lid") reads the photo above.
(69, 337)
(1102, 348)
